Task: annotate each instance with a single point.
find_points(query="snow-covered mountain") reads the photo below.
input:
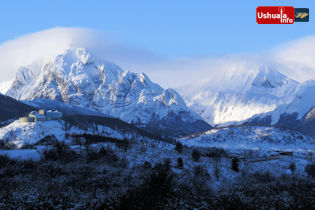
(298, 113)
(307, 124)
(299, 106)
(76, 77)
(5, 85)
(240, 94)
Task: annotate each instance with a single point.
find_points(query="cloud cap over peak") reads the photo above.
(42, 46)
(39, 46)
(295, 59)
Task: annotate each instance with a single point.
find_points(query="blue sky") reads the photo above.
(171, 28)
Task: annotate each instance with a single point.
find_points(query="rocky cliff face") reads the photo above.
(76, 77)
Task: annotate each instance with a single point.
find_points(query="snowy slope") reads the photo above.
(242, 93)
(5, 86)
(252, 137)
(77, 78)
(11, 108)
(298, 113)
(21, 133)
(301, 104)
(307, 124)
(66, 109)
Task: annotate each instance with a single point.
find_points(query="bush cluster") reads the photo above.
(59, 151)
(195, 155)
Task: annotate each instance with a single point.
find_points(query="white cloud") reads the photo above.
(295, 59)
(42, 45)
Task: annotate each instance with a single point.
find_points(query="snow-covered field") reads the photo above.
(22, 154)
(252, 137)
(21, 133)
(95, 176)
(258, 148)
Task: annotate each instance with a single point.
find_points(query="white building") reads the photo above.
(42, 116)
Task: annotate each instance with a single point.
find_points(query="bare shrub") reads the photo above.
(7, 145)
(195, 155)
(215, 152)
(59, 151)
(179, 147)
(292, 167)
(310, 170)
(235, 164)
(180, 163)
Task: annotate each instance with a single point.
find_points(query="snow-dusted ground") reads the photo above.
(155, 151)
(21, 133)
(22, 154)
(259, 148)
(252, 137)
(252, 145)
(253, 158)
(220, 176)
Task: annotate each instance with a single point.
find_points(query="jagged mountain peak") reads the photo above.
(24, 75)
(242, 77)
(269, 78)
(170, 97)
(302, 102)
(240, 94)
(79, 78)
(77, 61)
(76, 55)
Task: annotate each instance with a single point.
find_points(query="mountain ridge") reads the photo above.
(78, 78)
(240, 95)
